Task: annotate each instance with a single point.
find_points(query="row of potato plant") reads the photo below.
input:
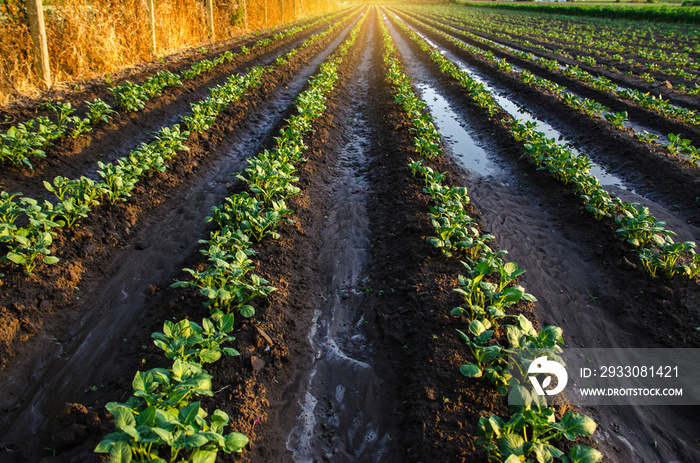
(617, 37)
(30, 243)
(618, 13)
(31, 138)
(677, 146)
(161, 415)
(161, 419)
(251, 216)
(658, 252)
(646, 100)
(488, 291)
(522, 34)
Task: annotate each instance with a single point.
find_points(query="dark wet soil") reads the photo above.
(392, 293)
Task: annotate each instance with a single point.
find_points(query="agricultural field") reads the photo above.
(323, 242)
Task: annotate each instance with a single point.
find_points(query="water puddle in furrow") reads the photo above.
(636, 126)
(456, 137)
(604, 177)
(343, 414)
(158, 255)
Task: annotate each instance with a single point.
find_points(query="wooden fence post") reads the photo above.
(265, 11)
(209, 5)
(245, 13)
(37, 29)
(152, 24)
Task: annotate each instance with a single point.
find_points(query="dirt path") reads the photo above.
(348, 395)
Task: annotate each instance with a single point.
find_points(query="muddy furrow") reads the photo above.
(345, 395)
(73, 158)
(584, 281)
(36, 388)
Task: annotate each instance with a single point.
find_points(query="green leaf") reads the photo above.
(45, 239)
(525, 325)
(457, 311)
(50, 260)
(195, 441)
(511, 444)
(576, 424)
(16, 258)
(235, 442)
(513, 334)
(207, 325)
(165, 435)
(546, 453)
(203, 456)
(551, 334)
(209, 355)
(247, 311)
(120, 453)
(181, 284)
(470, 370)
(226, 323)
(584, 454)
(139, 382)
(490, 427)
(209, 293)
(147, 417)
(220, 415)
(520, 396)
(188, 414)
(476, 327)
(106, 445)
(133, 432)
(123, 417)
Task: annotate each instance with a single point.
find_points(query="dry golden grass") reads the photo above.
(87, 39)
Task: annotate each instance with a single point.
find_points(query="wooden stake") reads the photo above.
(152, 24)
(37, 29)
(209, 5)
